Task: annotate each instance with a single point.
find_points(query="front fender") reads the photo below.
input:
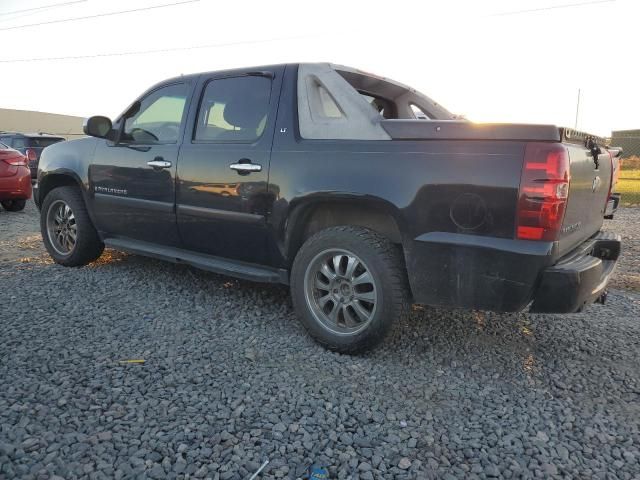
(69, 159)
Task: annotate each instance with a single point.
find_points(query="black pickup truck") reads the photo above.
(362, 194)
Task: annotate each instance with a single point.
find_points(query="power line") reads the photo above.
(99, 15)
(159, 50)
(43, 7)
(554, 7)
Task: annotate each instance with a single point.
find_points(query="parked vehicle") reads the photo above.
(15, 179)
(30, 145)
(340, 190)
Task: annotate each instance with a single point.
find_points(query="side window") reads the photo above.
(329, 106)
(233, 110)
(159, 118)
(18, 143)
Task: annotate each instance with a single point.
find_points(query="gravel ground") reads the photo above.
(627, 223)
(229, 379)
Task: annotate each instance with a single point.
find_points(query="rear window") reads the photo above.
(38, 142)
(393, 100)
(419, 112)
(381, 105)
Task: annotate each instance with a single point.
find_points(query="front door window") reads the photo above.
(159, 118)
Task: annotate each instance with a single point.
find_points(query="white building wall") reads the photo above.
(24, 121)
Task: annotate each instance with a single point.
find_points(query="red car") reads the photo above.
(15, 179)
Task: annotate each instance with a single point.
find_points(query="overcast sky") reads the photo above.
(491, 60)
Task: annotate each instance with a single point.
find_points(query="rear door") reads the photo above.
(222, 199)
(133, 181)
(588, 194)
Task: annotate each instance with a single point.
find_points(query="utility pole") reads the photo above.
(577, 110)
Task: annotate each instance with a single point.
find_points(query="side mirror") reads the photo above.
(98, 126)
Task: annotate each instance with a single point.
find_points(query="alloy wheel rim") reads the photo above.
(62, 228)
(340, 291)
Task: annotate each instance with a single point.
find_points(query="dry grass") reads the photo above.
(631, 163)
(629, 186)
(629, 181)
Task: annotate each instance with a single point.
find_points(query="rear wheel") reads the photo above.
(67, 231)
(348, 286)
(13, 205)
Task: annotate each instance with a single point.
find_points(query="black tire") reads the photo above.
(382, 259)
(13, 205)
(88, 246)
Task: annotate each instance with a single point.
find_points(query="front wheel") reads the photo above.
(13, 205)
(67, 231)
(348, 286)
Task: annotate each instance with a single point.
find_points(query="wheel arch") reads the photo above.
(59, 178)
(309, 216)
(62, 178)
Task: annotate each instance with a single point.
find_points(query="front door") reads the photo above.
(133, 181)
(222, 198)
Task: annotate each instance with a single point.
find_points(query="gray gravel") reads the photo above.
(626, 223)
(229, 379)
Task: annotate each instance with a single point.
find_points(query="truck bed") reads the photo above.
(401, 129)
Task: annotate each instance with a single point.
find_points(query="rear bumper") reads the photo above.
(580, 278)
(612, 205)
(16, 187)
(475, 272)
(484, 273)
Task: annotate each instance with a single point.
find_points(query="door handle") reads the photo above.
(159, 163)
(246, 167)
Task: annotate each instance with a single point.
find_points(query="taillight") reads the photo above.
(18, 161)
(544, 188)
(615, 172)
(31, 154)
(614, 179)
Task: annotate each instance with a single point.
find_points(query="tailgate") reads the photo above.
(588, 193)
